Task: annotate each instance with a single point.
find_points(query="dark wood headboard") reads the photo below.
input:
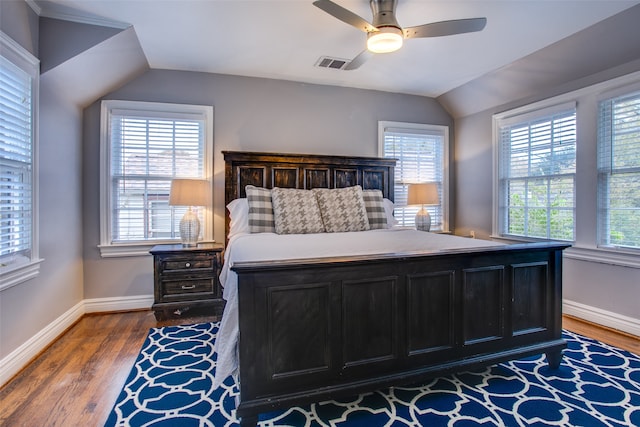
(305, 171)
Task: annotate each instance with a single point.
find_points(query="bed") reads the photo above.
(339, 316)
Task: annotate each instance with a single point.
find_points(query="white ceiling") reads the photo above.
(283, 39)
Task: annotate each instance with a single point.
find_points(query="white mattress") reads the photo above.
(270, 246)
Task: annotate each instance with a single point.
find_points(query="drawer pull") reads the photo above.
(185, 287)
(188, 264)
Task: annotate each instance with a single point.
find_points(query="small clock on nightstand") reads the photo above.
(187, 277)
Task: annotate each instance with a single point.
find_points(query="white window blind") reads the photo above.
(537, 167)
(16, 161)
(619, 171)
(147, 149)
(420, 152)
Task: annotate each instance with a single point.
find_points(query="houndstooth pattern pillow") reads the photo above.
(260, 218)
(296, 211)
(374, 204)
(342, 209)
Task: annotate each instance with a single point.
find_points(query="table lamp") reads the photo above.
(189, 192)
(423, 194)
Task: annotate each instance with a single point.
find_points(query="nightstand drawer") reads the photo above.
(172, 289)
(186, 278)
(184, 264)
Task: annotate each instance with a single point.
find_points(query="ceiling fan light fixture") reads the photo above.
(385, 40)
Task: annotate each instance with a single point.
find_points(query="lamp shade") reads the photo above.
(189, 192)
(425, 193)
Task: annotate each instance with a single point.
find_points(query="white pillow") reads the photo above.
(239, 215)
(388, 209)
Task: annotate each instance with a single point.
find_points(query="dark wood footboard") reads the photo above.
(313, 330)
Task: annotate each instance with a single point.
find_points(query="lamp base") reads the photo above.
(423, 220)
(189, 229)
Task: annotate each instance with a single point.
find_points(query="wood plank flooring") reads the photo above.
(76, 381)
(602, 334)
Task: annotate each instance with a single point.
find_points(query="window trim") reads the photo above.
(544, 106)
(140, 248)
(586, 245)
(446, 191)
(622, 251)
(519, 115)
(25, 269)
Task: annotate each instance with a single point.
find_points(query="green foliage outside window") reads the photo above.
(619, 171)
(538, 165)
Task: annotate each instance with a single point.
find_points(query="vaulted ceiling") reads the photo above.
(284, 39)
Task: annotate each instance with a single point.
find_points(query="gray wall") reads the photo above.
(250, 114)
(611, 288)
(601, 52)
(29, 307)
(608, 44)
(20, 22)
(63, 40)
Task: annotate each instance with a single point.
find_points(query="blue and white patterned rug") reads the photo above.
(596, 385)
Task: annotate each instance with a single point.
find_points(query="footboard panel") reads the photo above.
(316, 329)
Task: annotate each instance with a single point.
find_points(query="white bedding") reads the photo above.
(271, 246)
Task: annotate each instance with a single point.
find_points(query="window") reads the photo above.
(595, 140)
(19, 72)
(619, 171)
(145, 146)
(537, 173)
(422, 154)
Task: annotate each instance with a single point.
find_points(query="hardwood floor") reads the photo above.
(76, 381)
(602, 334)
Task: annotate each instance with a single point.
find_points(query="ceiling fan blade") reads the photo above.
(360, 59)
(344, 15)
(446, 28)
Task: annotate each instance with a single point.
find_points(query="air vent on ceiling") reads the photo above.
(329, 62)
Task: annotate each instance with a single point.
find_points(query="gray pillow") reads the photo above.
(296, 211)
(260, 218)
(374, 203)
(342, 209)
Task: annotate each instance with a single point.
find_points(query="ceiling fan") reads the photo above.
(386, 35)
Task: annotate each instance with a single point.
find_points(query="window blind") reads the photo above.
(16, 158)
(537, 165)
(619, 171)
(148, 150)
(420, 158)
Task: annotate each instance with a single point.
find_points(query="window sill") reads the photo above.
(130, 249)
(136, 249)
(516, 239)
(600, 255)
(604, 256)
(13, 274)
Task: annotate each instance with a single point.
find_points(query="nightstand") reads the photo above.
(186, 278)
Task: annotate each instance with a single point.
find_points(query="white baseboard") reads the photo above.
(21, 356)
(602, 317)
(99, 305)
